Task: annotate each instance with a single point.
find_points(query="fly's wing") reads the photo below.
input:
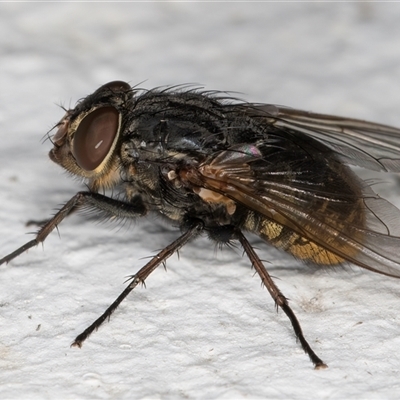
(366, 144)
(244, 176)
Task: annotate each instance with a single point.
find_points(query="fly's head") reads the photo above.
(87, 138)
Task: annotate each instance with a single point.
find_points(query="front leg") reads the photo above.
(108, 207)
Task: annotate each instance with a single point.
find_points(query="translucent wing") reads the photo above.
(278, 184)
(366, 144)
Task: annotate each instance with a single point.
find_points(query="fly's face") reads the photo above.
(85, 143)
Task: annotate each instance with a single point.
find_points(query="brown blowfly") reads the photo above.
(214, 165)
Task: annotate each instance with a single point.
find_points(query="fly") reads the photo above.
(219, 167)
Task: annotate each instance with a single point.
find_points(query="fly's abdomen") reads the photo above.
(298, 245)
(331, 232)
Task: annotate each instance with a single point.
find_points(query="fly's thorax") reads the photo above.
(167, 184)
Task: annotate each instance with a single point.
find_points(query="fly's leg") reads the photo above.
(41, 222)
(108, 207)
(279, 298)
(140, 277)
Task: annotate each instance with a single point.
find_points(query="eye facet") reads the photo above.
(94, 137)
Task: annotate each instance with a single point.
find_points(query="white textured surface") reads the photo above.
(205, 328)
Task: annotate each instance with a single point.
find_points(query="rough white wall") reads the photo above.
(205, 328)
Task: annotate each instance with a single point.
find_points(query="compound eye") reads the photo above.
(94, 137)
